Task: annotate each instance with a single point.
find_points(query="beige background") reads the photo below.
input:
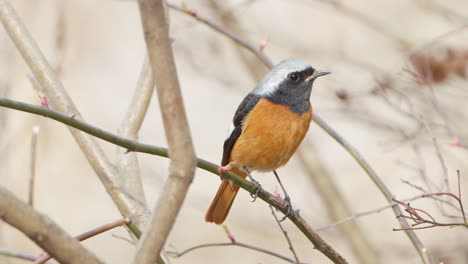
(97, 47)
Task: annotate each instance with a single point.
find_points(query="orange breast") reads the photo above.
(271, 134)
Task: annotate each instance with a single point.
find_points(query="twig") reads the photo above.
(422, 251)
(254, 49)
(131, 145)
(121, 222)
(379, 183)
(336, 204)
(43, 231)
(358, 215)
(9, 253)
(418, 219)
(239, 244)
(32, 166)
(285, 235)
(182, 154)
(61, 101)
(460, 197)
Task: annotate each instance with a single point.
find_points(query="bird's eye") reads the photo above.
(294, 77)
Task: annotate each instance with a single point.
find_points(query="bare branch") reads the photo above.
(285, 235)
(19, 255)
(238, 244)
(127, 163)
(43, 259)
(358, 215)
(356, 155)
(418, 219)
(313, 237)
(182, 154)
(42, 230)
(61, 101)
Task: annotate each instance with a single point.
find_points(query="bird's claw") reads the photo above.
(254, 195)
(287, 203)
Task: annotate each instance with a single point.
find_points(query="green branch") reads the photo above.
(135, 146)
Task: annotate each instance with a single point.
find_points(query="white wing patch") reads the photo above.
(229, 133)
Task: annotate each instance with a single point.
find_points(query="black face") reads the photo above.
(294, 91)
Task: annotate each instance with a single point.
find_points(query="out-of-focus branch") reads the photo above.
(365, 20)
(61, 101)
(129, 176)
(43, 259)
(361, 214)
(131, 145)
(182, 154)
(32, 166)
(335, 203)
(42, 230)
(378, 182)
(19, 255)
(227, 244)
(228, 20)
(256, 50)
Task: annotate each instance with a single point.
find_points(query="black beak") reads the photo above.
(317, 73)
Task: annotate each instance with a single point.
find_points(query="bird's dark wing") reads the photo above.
(243, 110)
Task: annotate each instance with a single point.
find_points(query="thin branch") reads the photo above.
(254, 49)
(13, 254)
(131, 145)
(127, 163)
(418, 219)
(99, 230)
(422, 251)
(32, 166)
(61, 101)
(182, 166)
(238, 244)
(359, 215)
(285, 235)
(336, 204)
(378, 182)
(43, 231)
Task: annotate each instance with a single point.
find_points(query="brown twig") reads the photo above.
(414, 214)
(94, 232)
(253, 48)
(358, 215)
(13, 254)
(182, 154)
(285, 235)
(42, 230)
(236, 243)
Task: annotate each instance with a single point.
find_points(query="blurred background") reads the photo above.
(397, 93)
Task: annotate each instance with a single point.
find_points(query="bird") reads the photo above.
(268, 127)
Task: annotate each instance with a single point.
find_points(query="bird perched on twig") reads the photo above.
(267, 128)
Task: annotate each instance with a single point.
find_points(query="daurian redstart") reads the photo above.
(267, 128)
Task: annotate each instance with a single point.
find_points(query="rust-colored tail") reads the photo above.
(223, 200)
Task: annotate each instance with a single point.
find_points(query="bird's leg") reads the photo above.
(287, 199)
(227, 168)
(257, 184)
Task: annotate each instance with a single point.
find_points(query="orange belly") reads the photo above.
(270, 136)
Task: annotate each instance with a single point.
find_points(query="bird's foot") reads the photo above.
(290, 211)
(258, 186)
(228, 167)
